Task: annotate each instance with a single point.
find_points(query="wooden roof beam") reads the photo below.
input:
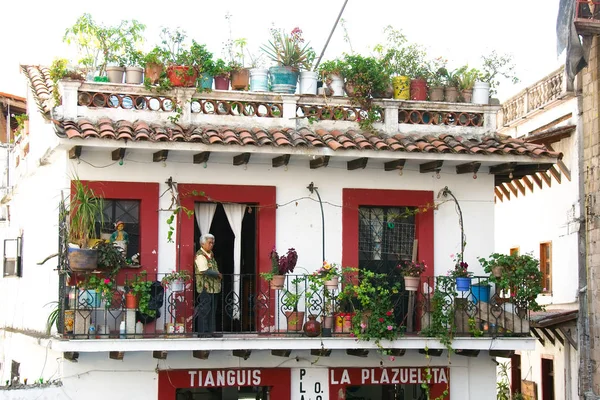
(118, 154)
(546, 178)
(432, 166)
(241, 159)
(537, 180)
(528, 183)
(281, 161)
(201, 158)
(502, 169)
(359, 163)
(512, 189)
(319, 162)
(498, 194)
(505, 191)
(555, 174)
(468, 168)
(75, 152)
(519, 185)
(394, 165)
(160, 156)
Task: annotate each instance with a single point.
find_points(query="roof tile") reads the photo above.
(303, 137)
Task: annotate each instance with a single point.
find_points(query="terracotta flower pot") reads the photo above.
(436, 94)
(240, 79)
(467, 95)
(295, 320)
(277, 282)
(451, 94)
(153, 71)
(180, 75)
(131, 301)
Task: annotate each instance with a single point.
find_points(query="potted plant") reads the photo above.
(495, 66)
(153, 63)
(138, 293)
(84, 208)
(110, 256)
(451, 89)
(99, 45)
(221, 72)
(332, 74)
(240, 75)
(330, 275)
(134, 73)
(290, 54)
(466, 78)
(481, 291)
(405, 63)
(461, 274)
(521, 279)
(412, 271)
(180, 64)
(175, 280)
(279, 267)
(436, 78)
(89, 293)
(290, 300)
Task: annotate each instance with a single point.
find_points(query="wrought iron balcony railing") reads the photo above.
(373, 307)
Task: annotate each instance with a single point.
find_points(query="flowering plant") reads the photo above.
(412, 268)
(284, 264)
(99, 284)
(289, 50)
(460, 268)
(174, 276)
(328, 271)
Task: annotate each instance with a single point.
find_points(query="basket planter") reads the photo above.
(177, 285)
(411, 283)
(277, 282)
(332, 284)
(463, 284)
(82, 260)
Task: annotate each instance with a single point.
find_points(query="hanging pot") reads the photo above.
(177, 285)
(411, 283)
(463, 284)
(277, 282)
(82, 260)
(332, 284)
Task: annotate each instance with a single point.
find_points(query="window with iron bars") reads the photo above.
(127, 211)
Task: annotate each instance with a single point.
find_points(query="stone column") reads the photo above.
(68, 91)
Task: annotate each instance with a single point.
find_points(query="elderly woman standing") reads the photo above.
(208, 286)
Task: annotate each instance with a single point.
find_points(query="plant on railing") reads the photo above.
(441, 319)
(373, 298)
(289, 50)
(496, 66)
(140, 286)
(521, 277)
(412, 268)
(281, 266)
(104, 286)
(175, 276)
(328, 271)
(460, 269)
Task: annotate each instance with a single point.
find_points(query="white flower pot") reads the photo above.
(336, 85)
(177, 285)
(481, 93)
(259, 80)
(308, 82)
(134, 75)
(115, 74)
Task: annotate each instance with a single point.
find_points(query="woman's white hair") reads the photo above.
(205, 237)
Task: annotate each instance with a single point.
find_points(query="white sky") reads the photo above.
(459, 30)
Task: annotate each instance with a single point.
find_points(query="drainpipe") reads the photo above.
(312, 188)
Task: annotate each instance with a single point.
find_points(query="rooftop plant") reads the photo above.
(497, 66)
(401, 57)
(289, 50)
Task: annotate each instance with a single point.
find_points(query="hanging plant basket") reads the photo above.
(277, 282)
(411, 283)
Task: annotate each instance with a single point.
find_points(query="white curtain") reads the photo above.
(204, 215)
(235, 215)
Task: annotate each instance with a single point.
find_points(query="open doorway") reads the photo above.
(236, 309)
(226, 393)
(386, 392)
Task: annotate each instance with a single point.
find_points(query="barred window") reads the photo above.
(127, 211)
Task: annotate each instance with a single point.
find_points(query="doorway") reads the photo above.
(236, 312)
(547, 379)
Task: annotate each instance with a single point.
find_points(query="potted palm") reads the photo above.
(412, 270)
(290, 54)
(279, 267)
(85, 207)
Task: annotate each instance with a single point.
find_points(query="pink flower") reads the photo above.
(392, 358)
(363, 325)
(452, 255)
(351, 334)
(106, 281)
(389, 327)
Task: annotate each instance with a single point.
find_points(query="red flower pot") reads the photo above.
(180, 75)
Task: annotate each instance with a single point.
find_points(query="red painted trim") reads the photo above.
(352, 199)
(262, 196)
(279, 379)
(147, 193)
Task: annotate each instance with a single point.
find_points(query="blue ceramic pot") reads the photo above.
(481, 293)
(206, 81)
(463, 284)
(283, 79)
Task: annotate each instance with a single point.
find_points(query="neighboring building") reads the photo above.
(541, 215)
(255, 169)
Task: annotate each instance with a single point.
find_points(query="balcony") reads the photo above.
(248, 308)
(587, 17)
(534, 99)
(187, 107)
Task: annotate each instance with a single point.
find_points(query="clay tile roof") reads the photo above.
(41, 87)
(336, 139)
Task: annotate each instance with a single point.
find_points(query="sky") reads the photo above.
(460, 30)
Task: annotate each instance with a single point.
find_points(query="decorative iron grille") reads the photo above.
(127, 211)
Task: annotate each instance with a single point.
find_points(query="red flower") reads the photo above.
(389, 313)
(381, 320)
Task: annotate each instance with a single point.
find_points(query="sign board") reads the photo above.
(310, 384)
(529, 390)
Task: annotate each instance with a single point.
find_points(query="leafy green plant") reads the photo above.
(437, 74)
(99, 44)
(473, 328)
(110, 256)
(412, 268)
(497, 66)
(20, 118)
(140, 286)
(58, 71)
(52, 317)
(521, 277)
(174, 276)
(466, 77)
(85, 207)
(289, 50)
(332, 67)
(400, 57)
(441, 323)
(221, 69)
(291, 298)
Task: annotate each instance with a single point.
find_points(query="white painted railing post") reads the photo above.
(390, 116)
(184, 100)
(490, 116)
(68, 91)
(290, 105)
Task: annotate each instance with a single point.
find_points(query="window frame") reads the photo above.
(148, 195)
(546, 271)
